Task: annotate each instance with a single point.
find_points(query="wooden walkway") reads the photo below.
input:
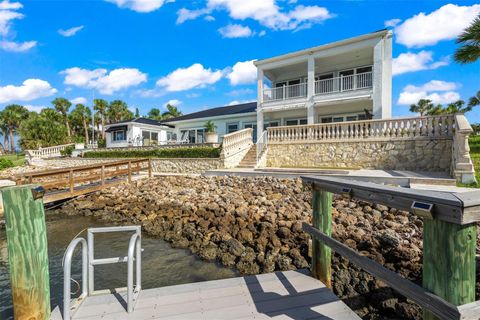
(66, 183)
(280, 295)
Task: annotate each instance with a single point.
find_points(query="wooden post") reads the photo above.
(103, 175)
(27, 253)
(322, 220)
(70, 178)
(129, 171)
(449, 261)
(149, 168)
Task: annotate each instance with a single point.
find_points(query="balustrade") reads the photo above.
(237, 141)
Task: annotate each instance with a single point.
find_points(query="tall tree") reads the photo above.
(155, 114)
(4, 130)
(82, 116)
(43, 130)
(172, 112)
(469, 40)
(101, 107)
(118, 111)
(458, 107)
(137, 113)
(422, 107)
(13, 115)
(475, 100)
(62, 105)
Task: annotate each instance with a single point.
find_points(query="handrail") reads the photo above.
(237, 141)
(344, 83)
(285, 92)
(48, 152)
(134, 246)
(68, 309)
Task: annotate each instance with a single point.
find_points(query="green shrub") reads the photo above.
(182, 152)
(6, 163)
(67, 152)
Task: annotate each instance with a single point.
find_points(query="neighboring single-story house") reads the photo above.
(137, 132)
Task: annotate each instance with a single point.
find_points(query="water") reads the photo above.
(161, 264)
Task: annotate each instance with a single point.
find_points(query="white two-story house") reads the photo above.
(342, 81)
(345, 80)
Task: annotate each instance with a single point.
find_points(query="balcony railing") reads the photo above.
(285, 92)
(344, 83)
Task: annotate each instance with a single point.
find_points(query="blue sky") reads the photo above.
(198, 53)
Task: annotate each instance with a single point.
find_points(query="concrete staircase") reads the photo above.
(250, 159)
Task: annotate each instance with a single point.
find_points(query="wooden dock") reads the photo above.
(66, 183)
(279, 295)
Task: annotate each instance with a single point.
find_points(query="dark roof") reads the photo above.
(215, 112)
(116, 128)
(144, 121)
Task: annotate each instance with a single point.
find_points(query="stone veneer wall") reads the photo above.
(424, 154)
(166, 165)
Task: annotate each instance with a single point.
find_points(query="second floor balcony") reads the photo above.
(324, 85)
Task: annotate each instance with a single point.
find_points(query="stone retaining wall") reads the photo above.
(167, 165)
(425, 154)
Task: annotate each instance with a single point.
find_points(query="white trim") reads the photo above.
(245, 114)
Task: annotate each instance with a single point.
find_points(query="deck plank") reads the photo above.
(279, 295)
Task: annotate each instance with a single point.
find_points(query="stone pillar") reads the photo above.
(464, 170)
(311, 90)
(382, 78)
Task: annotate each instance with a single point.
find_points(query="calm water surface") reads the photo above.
(161, 265)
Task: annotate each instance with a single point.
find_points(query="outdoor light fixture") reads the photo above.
(346, 192)
(38, 192)
(422, 209)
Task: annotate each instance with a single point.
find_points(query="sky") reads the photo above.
(199, 54)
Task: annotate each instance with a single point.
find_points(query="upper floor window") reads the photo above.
(295, 122)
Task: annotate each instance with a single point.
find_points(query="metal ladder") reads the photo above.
(89, 262)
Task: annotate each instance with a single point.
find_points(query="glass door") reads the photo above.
(254, 127)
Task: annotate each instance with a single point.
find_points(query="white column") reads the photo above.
(310, 90)
(382, 78)
(259, 122)
(259, 102)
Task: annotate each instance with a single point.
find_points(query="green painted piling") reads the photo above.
(27, 253)
(322, 220)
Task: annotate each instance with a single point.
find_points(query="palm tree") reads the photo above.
(155, 114)
(62, 105)
(101, 107)
(469, 51)
(13, 115)
(43, 130)
(4, 130)
(172, 112)
(458, 107)
(422, 107)
(82, 115)
(118, 111)
(475, 100)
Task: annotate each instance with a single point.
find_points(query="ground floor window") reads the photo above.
(193, 136)
(273, 123)
(343, 118)
(171, 136)
(295, 122)
(119, 135)
(254, 127)
(149, 138)
(232, 127)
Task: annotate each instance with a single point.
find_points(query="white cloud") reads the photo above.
(392, 22)
(173, 102)
(17, 46)
(240, 92)
(36, 109)
(143, 6)
(243, 73)
(78, 100)
(266, 12)
(409, 62)
(209, 18)
(445, 23)
(235, 31)
(102, 80)
(436, 90)
(195, 76)
(7, 15)
(7, 5)
(30, 89)
(70, 32)
(235, 102)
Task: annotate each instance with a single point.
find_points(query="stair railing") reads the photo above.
(261, 145)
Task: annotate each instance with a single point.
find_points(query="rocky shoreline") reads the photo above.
(254, 225)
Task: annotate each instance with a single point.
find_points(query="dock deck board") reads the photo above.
(279, 295)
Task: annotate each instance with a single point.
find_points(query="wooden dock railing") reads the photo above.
(69, 182)
(449, 243)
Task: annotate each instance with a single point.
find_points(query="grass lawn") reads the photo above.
(18, 160)
(475, 154)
